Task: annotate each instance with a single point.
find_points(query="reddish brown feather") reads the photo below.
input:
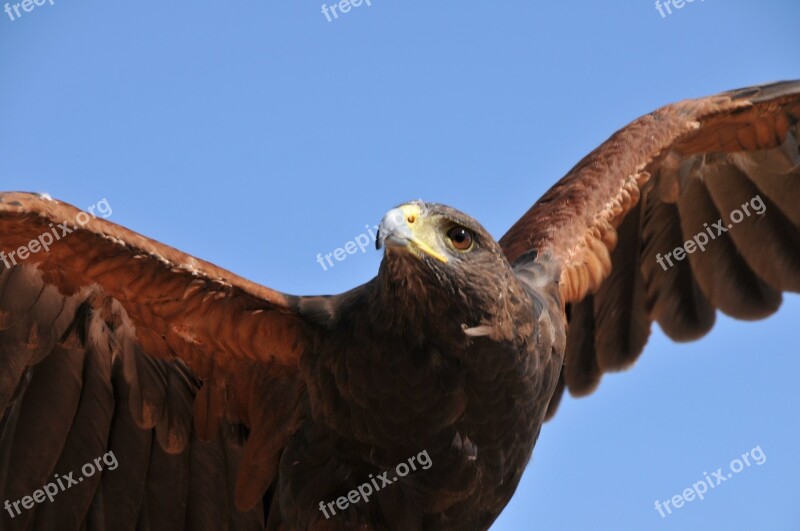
(658, 159)
(40, 436)
(167, 289)
(179, 307)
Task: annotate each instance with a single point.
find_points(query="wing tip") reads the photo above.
(766, 91)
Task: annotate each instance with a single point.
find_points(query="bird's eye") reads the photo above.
(461, 238)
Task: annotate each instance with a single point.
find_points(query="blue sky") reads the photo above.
(258, 134)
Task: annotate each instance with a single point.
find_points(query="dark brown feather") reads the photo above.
(621, 322)
(723, 275)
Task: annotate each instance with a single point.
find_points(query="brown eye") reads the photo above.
(461, 238)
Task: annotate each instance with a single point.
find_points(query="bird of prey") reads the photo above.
(142, 388)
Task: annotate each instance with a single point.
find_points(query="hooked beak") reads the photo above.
(405, 227)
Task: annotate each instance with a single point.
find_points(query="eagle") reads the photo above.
(143, 388)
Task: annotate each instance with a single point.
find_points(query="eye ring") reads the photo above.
(461, 238)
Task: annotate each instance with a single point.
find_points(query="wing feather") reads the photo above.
(106, 340)
(612, 224)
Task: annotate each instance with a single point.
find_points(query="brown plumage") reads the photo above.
(227, 405)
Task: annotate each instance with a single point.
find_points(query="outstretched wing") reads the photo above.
(117, 349)
(690, 209)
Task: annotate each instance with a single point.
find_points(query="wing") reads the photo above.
(690, 209)
(117, 349)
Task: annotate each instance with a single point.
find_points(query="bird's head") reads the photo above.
(434, 253)
(436, 235)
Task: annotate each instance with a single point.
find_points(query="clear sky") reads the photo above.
(258, 134)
